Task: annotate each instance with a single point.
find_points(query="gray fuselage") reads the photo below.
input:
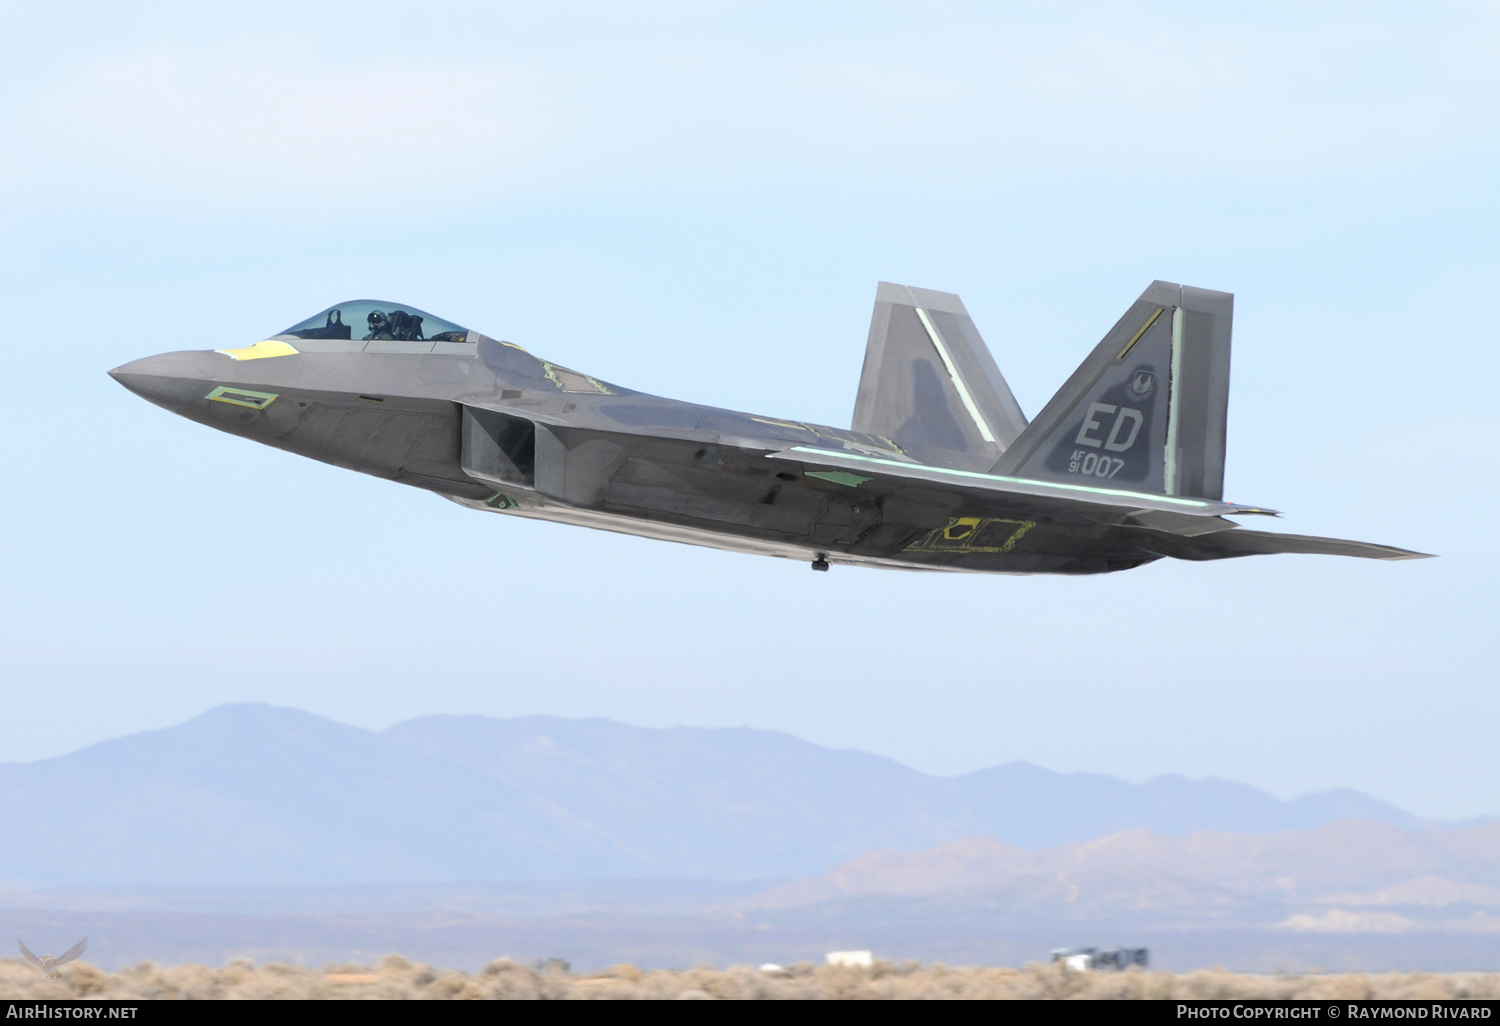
(486, 424)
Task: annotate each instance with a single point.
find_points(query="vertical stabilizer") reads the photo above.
(930, 384)
(1147, 410)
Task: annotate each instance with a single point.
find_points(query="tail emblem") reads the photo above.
(1143, 384)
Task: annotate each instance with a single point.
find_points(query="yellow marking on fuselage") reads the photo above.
(260, 351)
(963, 534)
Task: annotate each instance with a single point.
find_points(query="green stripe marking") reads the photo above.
(842, 477)
(998, 479)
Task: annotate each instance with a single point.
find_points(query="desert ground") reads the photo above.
(397, 978)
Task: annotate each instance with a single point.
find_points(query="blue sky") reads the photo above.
(697, 199)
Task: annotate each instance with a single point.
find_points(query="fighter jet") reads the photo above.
(940, 469)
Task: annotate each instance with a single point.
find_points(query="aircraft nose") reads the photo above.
(171, 380)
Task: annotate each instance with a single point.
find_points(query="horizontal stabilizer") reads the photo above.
(1267, 543)
(930, 384)
(1227, 544)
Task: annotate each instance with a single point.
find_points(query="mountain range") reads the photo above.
(258, 795)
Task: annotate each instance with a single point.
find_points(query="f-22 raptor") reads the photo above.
(940, 470)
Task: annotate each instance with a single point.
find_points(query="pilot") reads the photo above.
(380, 325)
(398, 325)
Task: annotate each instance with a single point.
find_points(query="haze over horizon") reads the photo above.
(697, 200)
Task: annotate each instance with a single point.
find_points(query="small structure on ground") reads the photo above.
(1086, 959)
(854, 958)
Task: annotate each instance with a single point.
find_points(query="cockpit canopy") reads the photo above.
(371, 319)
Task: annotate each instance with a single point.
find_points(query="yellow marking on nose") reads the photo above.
(260, 351)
